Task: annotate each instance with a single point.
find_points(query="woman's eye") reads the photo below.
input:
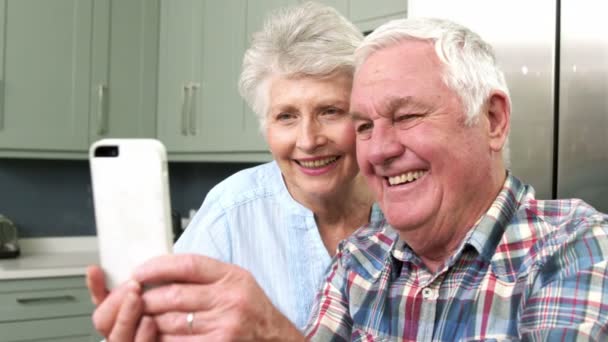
(284, 116)
(333, 111)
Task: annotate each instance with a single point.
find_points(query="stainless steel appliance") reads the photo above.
(9, 246)
(555, 58)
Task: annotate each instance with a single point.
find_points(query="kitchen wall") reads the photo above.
(53, 197)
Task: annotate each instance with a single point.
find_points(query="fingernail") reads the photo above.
(134, 285)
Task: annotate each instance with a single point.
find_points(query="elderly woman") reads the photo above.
(280, 221)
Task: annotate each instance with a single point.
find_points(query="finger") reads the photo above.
(127, 319)
(179, 297)
(96, 284)
(105, 315)
(186, 338)
(146, 331)
(176, 323)
(186, 268)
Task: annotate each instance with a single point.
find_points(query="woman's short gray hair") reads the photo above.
(309, 39)
(470, 65)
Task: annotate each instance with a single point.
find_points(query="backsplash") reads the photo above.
(53, 197)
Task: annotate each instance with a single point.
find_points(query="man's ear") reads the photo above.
(498, 113)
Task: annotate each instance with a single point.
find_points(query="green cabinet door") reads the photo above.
(256, 13)
(201, 116)
(75, 71)
(341, 6)
(180, 57)
(361, 10)
(45, 51)
(124, 72)
(368, 15)
(46, 309)
(225, 128)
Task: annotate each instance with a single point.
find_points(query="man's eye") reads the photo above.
(407, 117)
(363, 128)
(407, 120)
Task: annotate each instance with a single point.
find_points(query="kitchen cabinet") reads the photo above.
(46, 309)
(44, 90)
(368, 15)
(200, 113)
(125, 63)
(74, 71)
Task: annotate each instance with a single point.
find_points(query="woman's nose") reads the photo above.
(310, 137)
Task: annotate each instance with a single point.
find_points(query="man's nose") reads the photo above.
(384, 145)
(310, 136)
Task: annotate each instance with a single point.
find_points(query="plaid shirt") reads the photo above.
(528, 269)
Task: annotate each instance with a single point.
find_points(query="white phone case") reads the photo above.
(132, 206)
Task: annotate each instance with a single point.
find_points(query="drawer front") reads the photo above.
(22, 285)
(27, 305)
(61, 329)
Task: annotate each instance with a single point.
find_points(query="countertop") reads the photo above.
(51, 257)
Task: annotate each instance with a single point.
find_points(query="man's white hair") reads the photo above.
(470, 65)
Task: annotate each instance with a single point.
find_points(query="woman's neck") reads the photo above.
(338, 216)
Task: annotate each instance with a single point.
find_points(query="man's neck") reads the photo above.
(438, 240)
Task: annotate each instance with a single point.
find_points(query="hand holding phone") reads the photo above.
(132, 205)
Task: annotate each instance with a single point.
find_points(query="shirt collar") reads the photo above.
(487, 232)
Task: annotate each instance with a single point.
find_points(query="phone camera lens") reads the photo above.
(106, 151)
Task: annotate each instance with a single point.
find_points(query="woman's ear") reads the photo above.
(498, 112)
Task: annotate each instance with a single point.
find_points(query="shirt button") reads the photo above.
(427, 293)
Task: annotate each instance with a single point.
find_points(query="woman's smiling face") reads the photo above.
(311, 135)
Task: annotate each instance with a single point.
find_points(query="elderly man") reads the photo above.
(467, 252)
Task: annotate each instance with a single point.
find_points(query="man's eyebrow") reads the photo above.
(391, 105)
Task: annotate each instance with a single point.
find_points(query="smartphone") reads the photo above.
(130, 186)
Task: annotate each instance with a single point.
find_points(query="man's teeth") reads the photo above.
(318, 163)
(405, 177)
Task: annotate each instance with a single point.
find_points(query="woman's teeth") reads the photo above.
(405, 177)
(313, 164)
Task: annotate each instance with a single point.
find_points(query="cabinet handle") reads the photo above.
(1, 105)
(192, 124)
(185, 107)
(101, 113)
(46, 300)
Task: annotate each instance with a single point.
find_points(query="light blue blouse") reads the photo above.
(251, 220)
